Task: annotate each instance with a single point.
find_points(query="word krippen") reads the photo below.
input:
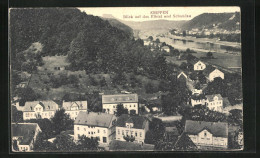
(159, 12)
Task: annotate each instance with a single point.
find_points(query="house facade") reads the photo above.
(166, 49)
(129, 101)
(73, 108)
(24, 136)
(95, 125)
(39, 109)
(199, 66)
(131, 126)
(214, 102)
(207, 135)
(198, 100)
(214, 74)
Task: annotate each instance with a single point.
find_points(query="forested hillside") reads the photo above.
(119, 25)
(208, 20)
(91, 43)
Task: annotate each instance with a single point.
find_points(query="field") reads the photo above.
(222, 59)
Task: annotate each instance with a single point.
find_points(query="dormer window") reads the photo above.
(205, 134)
(129, 125)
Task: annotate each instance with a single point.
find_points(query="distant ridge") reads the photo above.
(227, 21)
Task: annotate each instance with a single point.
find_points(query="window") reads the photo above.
(84, 129)
(104, 139)
(118, 132)
(123, 133)
(130, 106)
(134, 105)
(27, 114)
(98, 131)
(88, 132)
(140, 134)
(136, 134)
(127, 133)
(205, 134)
(91, 132)
(104, 131)
(78, 128)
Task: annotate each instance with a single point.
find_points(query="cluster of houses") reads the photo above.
(153, 45)
(207, 32)
(109, 129)
(214, 101)
(128, 129)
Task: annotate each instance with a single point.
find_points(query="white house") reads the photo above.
(207, 135)
(74, 107)
(214, 102)
(199, 66)
(95, 125)
(198, 100)
(165, 48)
(196, 91)
(24, 136)
(39, 109)
(214, 74)
(129, 101)
(131, 126)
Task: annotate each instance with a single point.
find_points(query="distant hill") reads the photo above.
(115, 23)
(228, 21)
(154, 25)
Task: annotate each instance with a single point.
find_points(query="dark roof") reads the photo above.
(129, 146)
(120, 98)
(208, 70)
(184, 143)
(198, 97)
(211, 97)
(45, 104)
(26, 132)
(217, 129)
(95, 119)
(138, 121)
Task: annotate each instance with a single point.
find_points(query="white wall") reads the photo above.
(139, 134)
(215, 74)
(90, 131)
(111, 108)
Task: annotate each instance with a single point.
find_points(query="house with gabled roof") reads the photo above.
(131, 126)
(39, 109)
(24, 136)
(166, 49)
(95, 125)
(199, 66)
(129, 101)
(198, 99)
(214, 102)
(72, 108)
(214, 74)
(207, 135)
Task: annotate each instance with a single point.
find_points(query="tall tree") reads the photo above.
(62, 121)
(85, 143)
(121, 110)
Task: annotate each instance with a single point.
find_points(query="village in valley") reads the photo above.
(151, 97)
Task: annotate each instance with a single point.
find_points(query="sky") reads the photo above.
(157, 13)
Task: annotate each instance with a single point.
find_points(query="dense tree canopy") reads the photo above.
(62, 121)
